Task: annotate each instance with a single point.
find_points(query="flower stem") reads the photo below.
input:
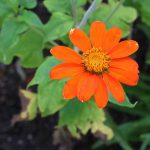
(53, 43)
(88, 13)
(20, 70)
(114, 10)
(74, 12)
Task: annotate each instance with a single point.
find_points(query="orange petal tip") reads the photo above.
(51, 50)
(130, 42)
(72, 30)
(137, 44)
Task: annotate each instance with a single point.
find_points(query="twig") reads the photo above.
(114, 10)
(87, 14)
(74, 12)
(53, 43)
(20, 71)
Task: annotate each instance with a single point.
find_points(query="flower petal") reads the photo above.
(80, 39)
(111, 39)
(97, 33)
(125, 63)
(124, 76)
(87, 86)
(70, 88)
(66, 54)
(101, 94)
(66, 70)
(125, 70)
(124, 48)
(115, 87)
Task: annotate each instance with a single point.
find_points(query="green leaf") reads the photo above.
(80, 3)
(9, 37)
(118, 135)
(8, 6)
(24, 39)
(126, 102)
(4, 8)
(58, 26)
(143, 7)
(50, 98)
(57, 5)
(83, 117)
(42, 73)
(29, 48)
(30, 18)
(123, 17)
(28, 3)
(146, 141)
(134, 129)
(12, 4)
(146, 29)
(62, 6)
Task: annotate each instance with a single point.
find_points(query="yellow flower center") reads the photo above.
(96, 61)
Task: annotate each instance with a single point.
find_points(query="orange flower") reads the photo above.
(102, 66)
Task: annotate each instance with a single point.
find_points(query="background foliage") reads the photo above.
(26, 39)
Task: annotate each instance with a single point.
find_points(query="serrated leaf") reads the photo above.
(50, 98)
(42, 73)
(16, 41)
(29, 48)
(126, 102)
(58, 26)
(28, 3)
(84, 117)
(123, 17)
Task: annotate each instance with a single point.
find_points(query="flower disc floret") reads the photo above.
(96, 61)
